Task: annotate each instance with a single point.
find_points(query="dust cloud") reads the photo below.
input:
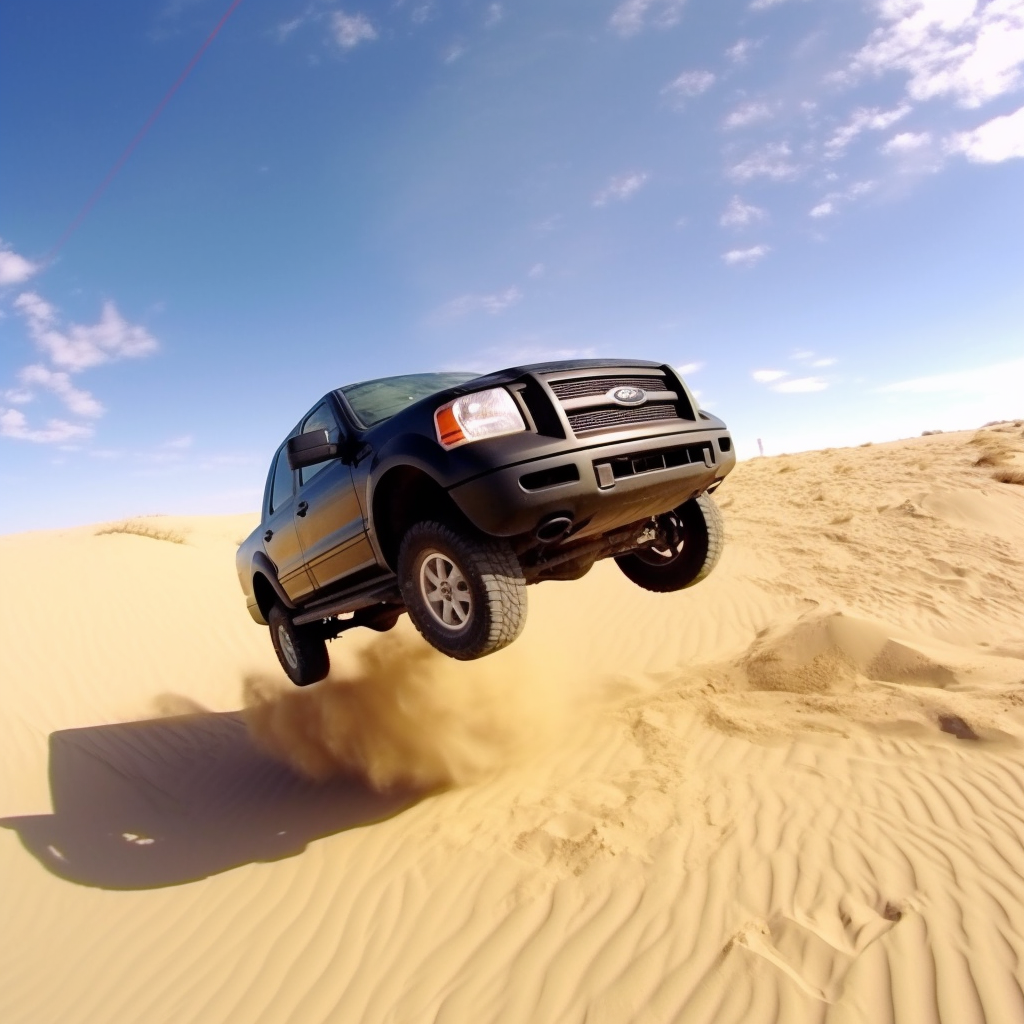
(405, 716)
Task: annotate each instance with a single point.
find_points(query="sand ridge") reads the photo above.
(792, 793)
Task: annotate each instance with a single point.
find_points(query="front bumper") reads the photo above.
(599, 487)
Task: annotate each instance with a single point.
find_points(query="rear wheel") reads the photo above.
(301, 650)
(465, 593)
(692, 538)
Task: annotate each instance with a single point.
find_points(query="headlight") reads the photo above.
(474, 417)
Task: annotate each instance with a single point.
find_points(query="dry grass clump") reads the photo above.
(144, 528)
(1009, 475)
(996, 449)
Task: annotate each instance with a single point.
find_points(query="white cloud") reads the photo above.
(80, 346)
(772, 161)
(80, 402)
(494, 15)
(39, 312)
(828, 204)
(179, 443)
(285, 29)
(749, 113)
(767, 376)
(494, 303)
(998, 378)
(811, 358)
(422, 13)
(687, 368)
(907, 142)
(997, 140)
(764, 5)
(621, 188)
(968, 50)
(688, 84)
(537, 270)
(746, 257)
(863, 119)
(739, 214)
(14, 424)
(739, 52)
(800, 385)
(350, 30)
(14, 268)
(71, 350)
(453, 53)
(633, 16)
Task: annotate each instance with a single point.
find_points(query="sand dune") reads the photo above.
(793, 793)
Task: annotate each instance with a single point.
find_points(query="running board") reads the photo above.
(362, 597)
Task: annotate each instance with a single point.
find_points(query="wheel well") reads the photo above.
(405, 496)
(264, 593)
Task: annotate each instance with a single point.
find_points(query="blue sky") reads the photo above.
(814, 206)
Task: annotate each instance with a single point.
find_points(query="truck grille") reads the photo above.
(588, 387)
(588, 409)
(617, 416)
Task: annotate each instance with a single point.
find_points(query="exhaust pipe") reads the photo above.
(553, 528)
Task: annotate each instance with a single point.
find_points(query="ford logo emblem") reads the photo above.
(628, 396)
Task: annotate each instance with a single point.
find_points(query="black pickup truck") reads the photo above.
(445, 494)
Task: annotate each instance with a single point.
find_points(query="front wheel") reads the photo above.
(465, 593)
(692, 539)
(301, 650)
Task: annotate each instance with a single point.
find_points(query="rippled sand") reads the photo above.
(792, 793)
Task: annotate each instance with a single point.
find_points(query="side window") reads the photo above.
(321, 418)
(282, 490)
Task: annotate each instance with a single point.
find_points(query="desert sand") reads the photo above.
(792, 793)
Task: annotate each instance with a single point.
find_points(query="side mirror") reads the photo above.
(309, 449)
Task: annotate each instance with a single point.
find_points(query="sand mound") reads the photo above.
(792, 793)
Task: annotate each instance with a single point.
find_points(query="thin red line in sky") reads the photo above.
(130, 148)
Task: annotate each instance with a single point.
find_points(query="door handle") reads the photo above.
(302, 508)
(268, 535)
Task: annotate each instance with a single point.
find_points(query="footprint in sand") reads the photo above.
(817, 951)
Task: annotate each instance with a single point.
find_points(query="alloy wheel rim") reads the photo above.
(445, 591)
(665, 553)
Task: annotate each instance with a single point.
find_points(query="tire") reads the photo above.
(465, 593)
(301, 651)
(700, 532)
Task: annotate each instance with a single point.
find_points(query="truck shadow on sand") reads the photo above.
(149, 804)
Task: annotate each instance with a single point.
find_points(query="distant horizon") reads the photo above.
(255, 510)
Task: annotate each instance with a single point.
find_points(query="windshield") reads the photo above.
(374, 401)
